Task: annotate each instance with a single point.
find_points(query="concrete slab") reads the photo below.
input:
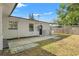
(19, 45)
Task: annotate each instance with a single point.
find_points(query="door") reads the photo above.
(40, 29)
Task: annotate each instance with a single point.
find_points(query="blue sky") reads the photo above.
(46, 11)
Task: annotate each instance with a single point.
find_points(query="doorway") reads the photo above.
(40, 29)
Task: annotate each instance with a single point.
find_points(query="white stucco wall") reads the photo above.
(1, 37)
(23, 28)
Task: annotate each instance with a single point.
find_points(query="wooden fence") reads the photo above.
(66, 30)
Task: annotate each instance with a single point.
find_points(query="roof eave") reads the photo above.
(13, 8)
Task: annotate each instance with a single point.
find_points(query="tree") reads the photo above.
(68, 14)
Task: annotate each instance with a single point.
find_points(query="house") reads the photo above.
(54, 26)
(1, 37)
(16, 27)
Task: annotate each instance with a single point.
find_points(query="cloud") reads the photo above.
(49, 13)
(21, 5)
(37, 14)
(44, 14)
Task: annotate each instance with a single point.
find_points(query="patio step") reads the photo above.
(18, 42)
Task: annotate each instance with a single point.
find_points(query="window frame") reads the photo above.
(13, 25)
(31, 27)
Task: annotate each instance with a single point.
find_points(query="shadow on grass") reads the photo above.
(36, 51)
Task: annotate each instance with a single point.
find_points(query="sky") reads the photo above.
(41, 11)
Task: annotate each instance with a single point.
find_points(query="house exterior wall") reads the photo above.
(1, 37)
(23, 28)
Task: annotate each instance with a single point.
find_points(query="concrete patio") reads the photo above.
(18, 45)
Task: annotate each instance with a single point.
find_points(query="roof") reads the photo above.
(29, 19)
(7, 8)
(13, 8)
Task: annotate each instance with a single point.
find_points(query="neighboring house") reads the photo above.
(54, 27)
(14, 27)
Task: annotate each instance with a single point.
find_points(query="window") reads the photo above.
(31, 27)
(13, 25)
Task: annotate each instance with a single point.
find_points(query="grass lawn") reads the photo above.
(67, 45)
